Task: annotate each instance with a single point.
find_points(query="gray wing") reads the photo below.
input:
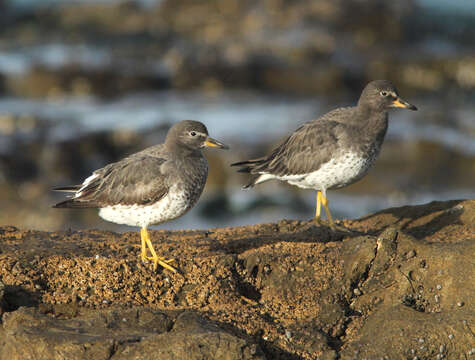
(310, 146)
(138, 179)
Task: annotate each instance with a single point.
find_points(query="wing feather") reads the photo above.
(138, 179)
(306, 150)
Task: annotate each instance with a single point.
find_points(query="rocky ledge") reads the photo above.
(396, 284)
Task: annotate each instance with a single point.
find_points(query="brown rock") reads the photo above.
(398, 282)
(2, 301)
(118, 334)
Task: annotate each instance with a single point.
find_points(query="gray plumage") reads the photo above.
(147, 177)
(333, 151)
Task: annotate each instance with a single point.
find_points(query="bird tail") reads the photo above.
(72, 202)
(71, 188)
(252, 182)
(75, 204)
(249, 166)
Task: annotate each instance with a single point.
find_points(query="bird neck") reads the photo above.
(375, 121)
(181, 151)
(371, 113)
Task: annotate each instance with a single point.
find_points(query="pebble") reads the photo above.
(357, 292)
(460, 304)
(437, 298)
(439, 287)
(451, 336)
(421, 340)
(267, 269)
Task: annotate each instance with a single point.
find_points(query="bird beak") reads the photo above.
(210, 142)
(398, 102)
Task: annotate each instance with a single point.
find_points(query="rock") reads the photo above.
(406, 289)
(193, 337)
(276, 291)
(118, 334)
(2, 301)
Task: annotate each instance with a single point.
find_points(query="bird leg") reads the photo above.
(143, 253)
(318, 207)
(324, 200)
(156, 260)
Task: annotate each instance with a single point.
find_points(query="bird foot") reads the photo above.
(319, 222)
(163, 262)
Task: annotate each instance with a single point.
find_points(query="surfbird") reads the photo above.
(150, 187)
(334, 150)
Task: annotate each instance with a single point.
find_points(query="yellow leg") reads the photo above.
(156, 260)
(143, 253)
(319, 205)
(327, 211)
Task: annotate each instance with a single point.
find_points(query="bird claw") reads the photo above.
(163, 263)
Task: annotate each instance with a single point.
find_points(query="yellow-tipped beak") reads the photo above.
(210, 142)
(398, 102)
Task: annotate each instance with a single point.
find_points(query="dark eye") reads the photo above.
(193, 133)
(384, 93)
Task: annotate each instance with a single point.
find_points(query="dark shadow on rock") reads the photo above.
(270, 350)
(449, 216)
(17, 296)
(407, 217)
(304, 232)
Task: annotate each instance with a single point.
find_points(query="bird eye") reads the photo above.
(384, 93)
(193, 133)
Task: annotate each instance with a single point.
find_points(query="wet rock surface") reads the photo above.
(398, 283)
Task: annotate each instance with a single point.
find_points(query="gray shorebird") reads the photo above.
(150, 187)
(333, 151)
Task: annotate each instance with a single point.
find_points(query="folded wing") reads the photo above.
(135, 180)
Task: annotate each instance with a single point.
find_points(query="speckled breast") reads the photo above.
(338, 172)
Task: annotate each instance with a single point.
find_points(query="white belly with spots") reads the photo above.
(172, 206)
(336, 173)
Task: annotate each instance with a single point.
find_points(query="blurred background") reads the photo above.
(84, 83)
